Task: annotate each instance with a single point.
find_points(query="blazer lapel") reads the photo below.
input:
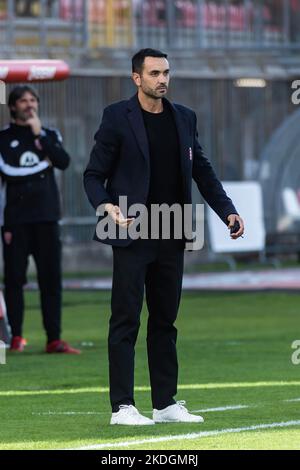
(137, 124)
(183, 131)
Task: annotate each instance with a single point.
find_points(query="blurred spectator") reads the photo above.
(31, 215)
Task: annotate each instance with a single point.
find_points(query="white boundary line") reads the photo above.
(223, 408)
(99, 413)
(209, 386)
(181, 437)
(69, 413)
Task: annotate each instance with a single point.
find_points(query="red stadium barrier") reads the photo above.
(33, 70)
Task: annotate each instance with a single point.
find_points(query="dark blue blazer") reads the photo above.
(120, 162)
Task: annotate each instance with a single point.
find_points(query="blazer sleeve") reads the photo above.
(208, 184)
(102, 160)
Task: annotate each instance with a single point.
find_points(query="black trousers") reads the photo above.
(157, 265)
(42, 241)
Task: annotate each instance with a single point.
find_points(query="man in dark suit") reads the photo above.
(147, 149)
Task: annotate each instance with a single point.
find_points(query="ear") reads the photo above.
(136, 78)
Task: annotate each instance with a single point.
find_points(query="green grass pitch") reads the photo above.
(234, 351)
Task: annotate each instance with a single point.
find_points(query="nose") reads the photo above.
(162, 82)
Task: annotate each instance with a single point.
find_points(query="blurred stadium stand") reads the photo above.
(75, 26)
(232, 61)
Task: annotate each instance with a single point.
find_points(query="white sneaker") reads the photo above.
(176, 413)
(129, 415)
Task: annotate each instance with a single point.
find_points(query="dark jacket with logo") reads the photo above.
(33, 197)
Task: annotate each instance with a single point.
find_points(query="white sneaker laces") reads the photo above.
(129, 409)
(181, 405)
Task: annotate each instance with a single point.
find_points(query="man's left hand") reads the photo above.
(232, 218)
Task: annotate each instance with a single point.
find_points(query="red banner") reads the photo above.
(13, 71)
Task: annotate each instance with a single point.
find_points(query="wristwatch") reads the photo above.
(41, 134)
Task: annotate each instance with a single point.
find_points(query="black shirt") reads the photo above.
(33, 198)
(165, 166)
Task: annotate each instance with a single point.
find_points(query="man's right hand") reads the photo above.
(117, 216)
(8, 237)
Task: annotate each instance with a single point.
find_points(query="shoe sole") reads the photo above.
(177, 421)
(131, 424)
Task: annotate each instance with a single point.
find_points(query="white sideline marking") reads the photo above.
(292, 400)
(222, 408)
(189, 436)
(69, 413)
(209, 386)
(86, 413)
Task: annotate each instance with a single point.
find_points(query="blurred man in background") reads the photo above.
(10, 172)
(31, 214)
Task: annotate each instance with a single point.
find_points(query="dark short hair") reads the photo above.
(139, 58)
(17, 93)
